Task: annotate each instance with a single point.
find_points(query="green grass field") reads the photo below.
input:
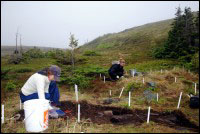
(167, 89)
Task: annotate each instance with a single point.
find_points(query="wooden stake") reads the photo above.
(78, 113)
(195, 88)
(121, 92)
(148, 115)
(2, 118)
(143, 80)
(179, 100)
(76, 92)
(175, 79)
(157, 97)
(129, 102)
(110, 92)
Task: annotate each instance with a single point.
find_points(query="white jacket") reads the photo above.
(37, 83)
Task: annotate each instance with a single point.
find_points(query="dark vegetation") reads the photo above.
(183, 40)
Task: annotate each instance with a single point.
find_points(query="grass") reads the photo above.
(166, 87)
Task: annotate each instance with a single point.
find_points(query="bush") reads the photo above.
(90, 53)
(34, 53)
(190, 62)
(10, 86)
(15, 59)
(23, 70)
(91, 70)
(132, 86)
(151, 88)
(80, 80)
(57, 53)
(4, 72)
(158, 52)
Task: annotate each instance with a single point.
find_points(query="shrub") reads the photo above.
(132, 86)
(34, 53)
(15, 59)
(90, 53)
(91, 70)
(80, 80)
(193, 64)
(10, 86)
(4, 72)
(158, 52)
(151, 88)
(57, 53)
(23, 70)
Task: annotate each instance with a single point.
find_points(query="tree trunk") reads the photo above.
(72, 58)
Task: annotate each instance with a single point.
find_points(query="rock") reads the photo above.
(108, 113)
(194, 102)
(152, 84)
(107, 101)
(100, 114)
(120, 118)
(116, 100)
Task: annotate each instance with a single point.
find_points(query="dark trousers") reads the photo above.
(112, 76)
(53, 94)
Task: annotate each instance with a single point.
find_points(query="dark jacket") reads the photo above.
(116, 70)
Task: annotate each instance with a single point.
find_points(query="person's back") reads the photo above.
(116, 70)
(36, 83)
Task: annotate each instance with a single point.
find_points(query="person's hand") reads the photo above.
(50, 107)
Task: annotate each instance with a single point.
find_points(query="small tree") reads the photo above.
(73, 44)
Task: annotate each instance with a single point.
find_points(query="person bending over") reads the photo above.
(116, 70)
(42, 85)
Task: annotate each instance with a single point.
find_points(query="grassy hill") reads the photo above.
(134, 44)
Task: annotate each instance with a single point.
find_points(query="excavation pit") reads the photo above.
(122, 116)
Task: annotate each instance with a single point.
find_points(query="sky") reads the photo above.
(49, 23)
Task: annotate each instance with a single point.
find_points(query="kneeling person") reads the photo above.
(42, 85)
(116, 70)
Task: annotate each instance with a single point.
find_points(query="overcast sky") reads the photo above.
(50, 23)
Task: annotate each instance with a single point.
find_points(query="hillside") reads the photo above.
(144, 36)
(134, 44)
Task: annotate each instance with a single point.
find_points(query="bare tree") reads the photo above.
(21, 50)
(73, 44)
(16, 51)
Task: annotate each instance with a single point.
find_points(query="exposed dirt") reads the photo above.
(99, 86)
(121, 116)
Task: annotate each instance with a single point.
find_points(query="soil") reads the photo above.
(121, 116)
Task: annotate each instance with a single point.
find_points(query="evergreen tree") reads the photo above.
(189, 29)
(197, 30)
(181, 37)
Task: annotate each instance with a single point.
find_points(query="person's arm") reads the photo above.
(113, 70)
(121, 73)
(40, 83)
